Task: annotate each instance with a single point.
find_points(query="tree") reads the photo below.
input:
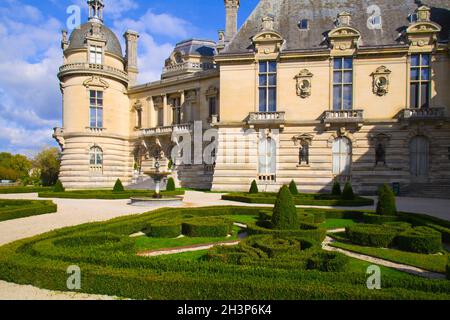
(59, 187)
(8, 174)
(348, 193)
(284, 213)
(118, 187)
(336, 188)
(14, 167)
(293, 188)
(386, 201)
(48, 163)
(254, 188)
(170, 184)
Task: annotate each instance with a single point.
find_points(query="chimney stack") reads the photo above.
(131, 40)
(231, 7)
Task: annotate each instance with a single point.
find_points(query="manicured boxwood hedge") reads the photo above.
(207, 227)
(371, 235)
(420, 240)
(104, 194)
(163, 229)
(301, 199)
(12, 190)
(378, 219)
(15, 209)
(448, 269)
(328, 261)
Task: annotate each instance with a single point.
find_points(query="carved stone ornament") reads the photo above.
(96, 81)
(304, 83)
(303, 139)
(381, 81)
(137, 105)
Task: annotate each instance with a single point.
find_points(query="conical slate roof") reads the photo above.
(321, 15)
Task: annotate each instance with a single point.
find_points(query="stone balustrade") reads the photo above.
(266, 118)
(343, 117)
(422, 114)
(168, 130)
(82, 67)
(188, 67)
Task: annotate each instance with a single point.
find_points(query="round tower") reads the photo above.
(95, 136)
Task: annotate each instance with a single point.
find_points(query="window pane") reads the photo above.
(348, 77)
(348, 95)
(92, 94)
(92, 102)
(273, 80)
(415, 60)
(414, 74)
(92, 118)
(263, 67)
(337, 77)
(272, 99)
(425, 74)
(337, 98)
(424, 95)
(348, 63)
(425, 60)
(338, 63)
(272, 66)
(262, 80)
(414, 95)
(100, 118)
(262, 100)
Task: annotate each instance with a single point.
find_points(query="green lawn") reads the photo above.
(331, 224)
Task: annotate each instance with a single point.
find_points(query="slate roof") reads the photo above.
(77, 39)
(322, 14)
(206, 48)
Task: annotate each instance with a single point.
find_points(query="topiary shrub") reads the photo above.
(386, 201)
(293, 188)
(328, 262)
(420, 240)
(170, 184)
(59, 187)
(348, 193)
(336, 189)
(207, 227)
(118, 186)
(285, 213)
(371, 235)
(275, 247)
(163, 229)
(254, 188)
(378, 219)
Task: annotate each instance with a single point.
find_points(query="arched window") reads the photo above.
(342, 156)
(96, 157)
(267, 159)
(419, 150)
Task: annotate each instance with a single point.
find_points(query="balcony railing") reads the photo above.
(92, 68)
(267, 118)
(188, 67)
(168, 130)
(343, 116)
(422, 114)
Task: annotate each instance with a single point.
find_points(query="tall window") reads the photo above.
(160, 112)
(96, 157)
(268, 86)
(212, 101)
(342, 156)
(343, 84)
(267, 159)
(420, 80)
(95, 54)
(303, 154)
(96, 109)
(419, 150)
(176, 105)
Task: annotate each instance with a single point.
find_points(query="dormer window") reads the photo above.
(412, 18)
(303, 24)
(95, 54)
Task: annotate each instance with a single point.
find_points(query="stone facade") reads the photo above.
(286, 103)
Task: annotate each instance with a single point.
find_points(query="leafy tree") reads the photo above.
(118, 187)
(336, 188)
(170, 184)
(348, 193)
(284, 213)
(59, 187)
(293, 188)
(254, 188)
(48, 163)
(386, 201)
(8, 174)
(14, 167)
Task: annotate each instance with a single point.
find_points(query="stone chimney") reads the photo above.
(232, 8)
(131, 40)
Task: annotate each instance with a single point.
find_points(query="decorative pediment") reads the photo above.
(212, 92)
(380, 138)
(304, 84)
(191, 95)
(96, 33)
(96, 81)
(423, 34)
(381, 80)
(303, 139)
(268, 41)
(344, 38)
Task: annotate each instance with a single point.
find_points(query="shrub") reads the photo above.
(293, 188)
(254, 188)
(386, 201)
(59, 187)
(15, 209)
(336, 188)
(378, 219)
(170, 184)
(163, 229)
(274, 246)
(420, 240)
(118, 187)
(284, 213)
(448, 269)
(207, 227)
(371, 235)
(328, 262)
(348, 193)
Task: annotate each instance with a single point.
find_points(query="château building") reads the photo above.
(307, 90)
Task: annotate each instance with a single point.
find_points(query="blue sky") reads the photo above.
(30, 55)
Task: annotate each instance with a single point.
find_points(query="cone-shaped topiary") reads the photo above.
(293, 188)
(59, 187)
(336, 188)
(386, 201)
(254, 188)
(170, 184)
(284, 213)
(348, 193)
(118, 187)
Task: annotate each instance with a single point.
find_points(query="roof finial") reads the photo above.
(96, 10)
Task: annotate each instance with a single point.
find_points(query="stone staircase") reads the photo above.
(426, 190)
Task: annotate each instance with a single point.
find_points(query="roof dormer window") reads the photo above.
(95, 54)
(412, 18)
(303, 24)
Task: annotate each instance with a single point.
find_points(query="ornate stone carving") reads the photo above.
(422, 34)
(303, 139)
(381, 81)
(343, 37)
(304, 84)
(96, 81)
(212, 92)
(268, 42)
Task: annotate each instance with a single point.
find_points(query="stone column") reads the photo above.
(151, 114)
(182, 106)
(166, 111)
